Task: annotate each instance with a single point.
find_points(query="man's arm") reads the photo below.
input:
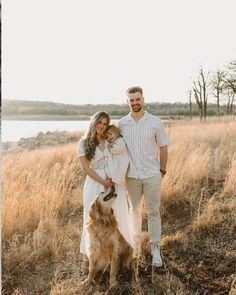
(163, 159)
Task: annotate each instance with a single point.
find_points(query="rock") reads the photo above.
(42, 140)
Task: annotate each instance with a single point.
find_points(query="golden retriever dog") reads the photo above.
(107, 246)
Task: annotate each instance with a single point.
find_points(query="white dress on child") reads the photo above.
(92, 188)
(118, 160)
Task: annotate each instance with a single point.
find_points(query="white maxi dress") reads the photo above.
(92, 188)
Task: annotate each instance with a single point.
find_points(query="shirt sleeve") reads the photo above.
(162, 138)
(80, 148)
(118, 124)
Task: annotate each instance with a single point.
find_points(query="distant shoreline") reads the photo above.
(43, 118)
(60, 118)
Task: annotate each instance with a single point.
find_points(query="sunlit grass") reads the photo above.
(42, 215)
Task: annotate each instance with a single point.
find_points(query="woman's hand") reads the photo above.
(107, 183)
(88, 171)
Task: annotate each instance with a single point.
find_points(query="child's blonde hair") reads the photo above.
(115, 129)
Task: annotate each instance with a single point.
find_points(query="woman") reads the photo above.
(92, 152)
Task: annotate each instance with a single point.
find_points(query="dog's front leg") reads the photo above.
(92, 272)
(113, 269)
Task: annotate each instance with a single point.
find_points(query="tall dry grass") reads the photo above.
(36, 185)
(199, 156)
(42, 215)
(41, 197)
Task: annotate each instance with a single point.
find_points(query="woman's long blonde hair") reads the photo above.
(90, 138)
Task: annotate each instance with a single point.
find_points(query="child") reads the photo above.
(118, 160)
(117, 165)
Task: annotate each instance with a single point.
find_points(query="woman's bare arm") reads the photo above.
(88, 171)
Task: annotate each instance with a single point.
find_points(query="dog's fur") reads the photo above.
(107, 246)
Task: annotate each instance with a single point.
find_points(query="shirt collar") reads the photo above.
(144, 117)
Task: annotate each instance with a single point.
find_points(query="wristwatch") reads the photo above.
(163, 171)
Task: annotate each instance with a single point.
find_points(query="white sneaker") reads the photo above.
(156, 256)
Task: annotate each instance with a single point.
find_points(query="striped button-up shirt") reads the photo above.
(143, 138)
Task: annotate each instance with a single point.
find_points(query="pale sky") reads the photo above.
(90, 51)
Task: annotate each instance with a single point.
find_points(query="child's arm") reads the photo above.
(117, 147)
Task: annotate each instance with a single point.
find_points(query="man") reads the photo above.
(144, 134)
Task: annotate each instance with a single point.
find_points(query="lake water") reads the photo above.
(14, 130)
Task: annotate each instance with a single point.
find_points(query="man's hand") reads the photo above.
(163, 172)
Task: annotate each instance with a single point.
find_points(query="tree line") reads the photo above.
(16, 109)
(221, 85)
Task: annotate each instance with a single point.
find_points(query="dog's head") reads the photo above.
(109, 194)
(102, 203)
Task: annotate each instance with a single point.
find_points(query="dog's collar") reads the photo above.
(109, 196)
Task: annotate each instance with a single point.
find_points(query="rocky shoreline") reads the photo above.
(42, 140)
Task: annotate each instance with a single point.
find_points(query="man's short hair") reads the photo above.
(134, 90)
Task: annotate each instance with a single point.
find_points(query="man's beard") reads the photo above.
(136, 109)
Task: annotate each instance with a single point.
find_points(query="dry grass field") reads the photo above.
(42, 215)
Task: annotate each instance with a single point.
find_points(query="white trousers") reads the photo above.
(150, 189)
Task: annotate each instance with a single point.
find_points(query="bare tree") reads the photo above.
(217, 84)
(230, 86)
(232, 66)
(200, 93)
(198, 98)
(190, 104)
